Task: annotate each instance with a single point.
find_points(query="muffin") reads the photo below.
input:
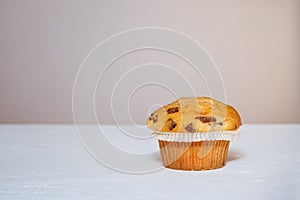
(194, 133)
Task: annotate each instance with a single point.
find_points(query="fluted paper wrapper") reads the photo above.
(195, 151)
(198, 136)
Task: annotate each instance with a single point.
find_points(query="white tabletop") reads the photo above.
(49, 162)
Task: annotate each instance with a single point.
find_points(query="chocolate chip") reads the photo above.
(153, 118)
(220, 123)
(206, 119)
(171, 124)
(190, 128)
(172, 110)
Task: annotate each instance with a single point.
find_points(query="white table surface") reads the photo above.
(49, 162)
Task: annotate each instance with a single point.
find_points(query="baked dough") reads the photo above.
(194, 114)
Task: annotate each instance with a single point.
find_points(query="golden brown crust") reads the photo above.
(194, 114)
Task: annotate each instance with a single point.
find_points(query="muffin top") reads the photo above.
(194, 114)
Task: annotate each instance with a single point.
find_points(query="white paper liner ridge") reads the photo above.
(197, 136)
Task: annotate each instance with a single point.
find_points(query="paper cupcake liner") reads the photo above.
(198, 136)
(201, 155)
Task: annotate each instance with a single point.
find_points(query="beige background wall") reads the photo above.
(255, 44)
